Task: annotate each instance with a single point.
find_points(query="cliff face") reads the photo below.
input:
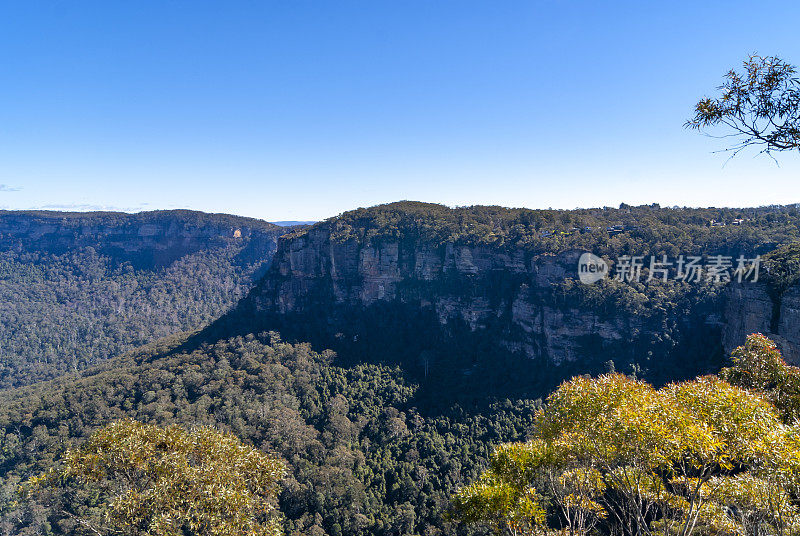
(509, 297)
(148, 239)
(750, 309)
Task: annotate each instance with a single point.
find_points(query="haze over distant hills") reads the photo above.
(292, 223)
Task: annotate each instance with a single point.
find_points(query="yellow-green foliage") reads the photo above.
(168, 482)
(758, 366)
(613, 453)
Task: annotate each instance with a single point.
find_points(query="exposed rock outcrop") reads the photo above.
(751, 308)
(514, 297)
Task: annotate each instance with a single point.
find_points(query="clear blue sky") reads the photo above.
(300, 110)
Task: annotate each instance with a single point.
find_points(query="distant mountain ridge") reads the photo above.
(148, 238)
(77, 288)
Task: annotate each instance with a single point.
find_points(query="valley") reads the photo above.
(382, 354)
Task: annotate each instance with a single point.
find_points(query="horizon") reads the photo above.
(451, 207)
(303, 111)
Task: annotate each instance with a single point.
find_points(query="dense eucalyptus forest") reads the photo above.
(372, 441)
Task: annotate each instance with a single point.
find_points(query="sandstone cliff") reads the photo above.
(509, 297)
(751, 308)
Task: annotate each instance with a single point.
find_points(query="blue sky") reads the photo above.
(301, 110)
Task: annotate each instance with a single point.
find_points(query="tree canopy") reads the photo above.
(131, 478)
(759, 106)
(615, 455)
(363, 456)
(78, 288)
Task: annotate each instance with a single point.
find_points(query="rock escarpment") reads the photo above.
(476, 284)
(505, 298)
(752, 308)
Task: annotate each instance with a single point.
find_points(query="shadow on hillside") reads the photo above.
(452, 365)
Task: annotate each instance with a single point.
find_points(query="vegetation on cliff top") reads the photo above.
(183, 217)
(782, 268)
(648, 229)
